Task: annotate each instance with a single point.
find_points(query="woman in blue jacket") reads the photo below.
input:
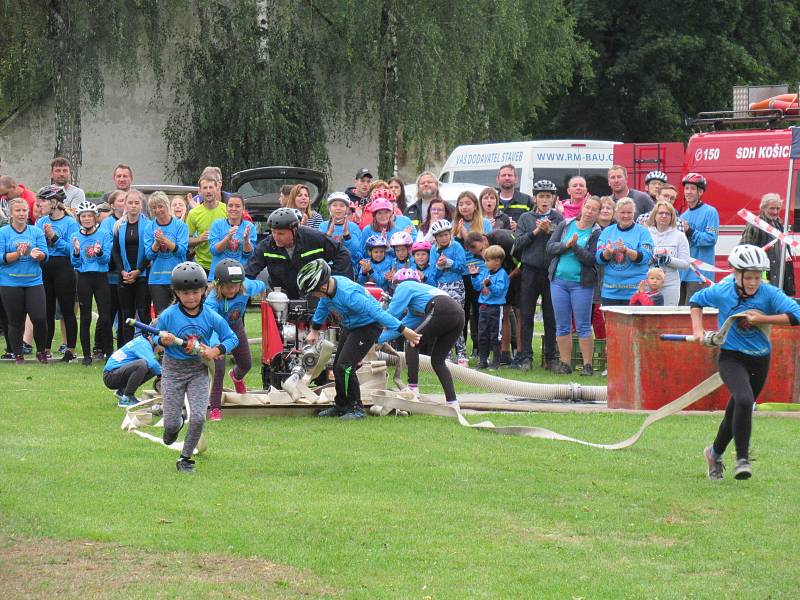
(23, 249)
(165, 243)
(231, 238)
(91, 252)
(128, 252)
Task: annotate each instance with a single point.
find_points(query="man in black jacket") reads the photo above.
(512, 202)
(289, 246)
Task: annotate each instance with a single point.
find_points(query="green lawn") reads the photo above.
(384, 508)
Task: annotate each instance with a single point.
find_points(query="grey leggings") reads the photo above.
(242, 359)
(179, 379)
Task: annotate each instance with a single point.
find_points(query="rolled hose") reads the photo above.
(520, 389)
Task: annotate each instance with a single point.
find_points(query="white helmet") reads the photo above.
(747, 257)
(401, 238)
(440, 226)
(86, 206)
(338, 197)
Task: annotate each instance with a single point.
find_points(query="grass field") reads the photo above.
(287, 507)
(385, 508)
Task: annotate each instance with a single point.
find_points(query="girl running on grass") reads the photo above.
(229, 298)
(744, 357)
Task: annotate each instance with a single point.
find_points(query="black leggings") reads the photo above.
(4, 325)
(114, 316)
(744, 376)
(471, 312)
(440, 329)
(21, 301)
(127, 378)
(161, 295)
(353, 347)
(59, 285)
(93, 284)
(134, 299)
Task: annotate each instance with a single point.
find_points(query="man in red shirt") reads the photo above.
(10, 189)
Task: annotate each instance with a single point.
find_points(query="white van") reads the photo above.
(556, 160)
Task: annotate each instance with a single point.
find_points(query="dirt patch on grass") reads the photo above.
(37, 568)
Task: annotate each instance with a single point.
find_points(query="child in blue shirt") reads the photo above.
(129, 367)
(421, 252)
(229, 298)
(400, 243)
(184, 374)
(375, 268)
(492, 283)
(340, 228)
(450, 261)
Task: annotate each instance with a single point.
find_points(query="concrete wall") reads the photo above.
(127, 128)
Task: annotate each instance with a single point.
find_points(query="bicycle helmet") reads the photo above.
(86, 206)
(376, 241)
(747, 257)
(229, 271)
(54, 193)
(441, 225)
(283, 218)
(544, 185)
(401, 238)
(338, 197)
(405, 275)
(188, 275)
(312, 275)
(655, 176)
(383, 194)
(696, 179)
(423, 246)
(380, 204)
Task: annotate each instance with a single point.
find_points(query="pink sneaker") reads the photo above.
(238, 384)
(216, 415)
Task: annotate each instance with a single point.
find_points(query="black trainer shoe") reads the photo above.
(68, 357)
(555, 366)
(743, 470)
(715, 467)
(87, 361)
(332, 411)
(185, 465)
(482, 365)
(505, 359)
(7, 356)
(562, 369)
(586, 371)
(525, 364)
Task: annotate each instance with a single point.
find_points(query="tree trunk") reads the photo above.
(66, 88)
(389, 105)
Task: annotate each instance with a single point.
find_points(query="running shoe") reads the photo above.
(62, 348)
(562, 369)
(19, 359)
(41, 356)
(185, 465)
(68, 357)
(127, 401)
(715, 467)
(454, 404)
(216, 415)
(505, 359)
(482, 365)
(238, 384)
(743, 470)
(27, 348)
(332, 411)
(87, 361)
(7, 356)
(98, 354)
(353, 413)
(586, 371)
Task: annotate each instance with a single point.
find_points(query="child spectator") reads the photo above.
(401, 243)
(492, 283)
(129, 367)
(450, 260)
(340, 228)
(375, 268)
(184, 374)
(422, 262)
(228, 299)
(649, 291)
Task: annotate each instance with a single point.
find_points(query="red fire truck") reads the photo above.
(741, 165)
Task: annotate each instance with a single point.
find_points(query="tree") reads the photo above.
(657, 65)
(245, 93)
(61, 47)
(438, 74)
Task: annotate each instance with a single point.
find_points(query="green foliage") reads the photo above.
(655, 65)
(244, 97)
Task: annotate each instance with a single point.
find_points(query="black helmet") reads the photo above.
(544, 185)
(188, 275)
(283, 218)
(54, 193)
(229, 271)
(312, 275)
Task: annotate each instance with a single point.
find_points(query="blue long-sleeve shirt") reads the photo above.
(353, 244)
(206, 326)
(497, 288)
(354, 307)
(455, 265)
(138, 348)
(768, 299)
(702, 234)
(87, 260)
(65, 228)
(233, 309)
(408, 304)
(162, 262)
(377, 274)
(428, 273)
(235, 248)
(25, 272)
(621, 276)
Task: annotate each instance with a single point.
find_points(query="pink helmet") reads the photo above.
(401, 238)
(380, 204)
(385, 194)
(404, 275)
(424, 245)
